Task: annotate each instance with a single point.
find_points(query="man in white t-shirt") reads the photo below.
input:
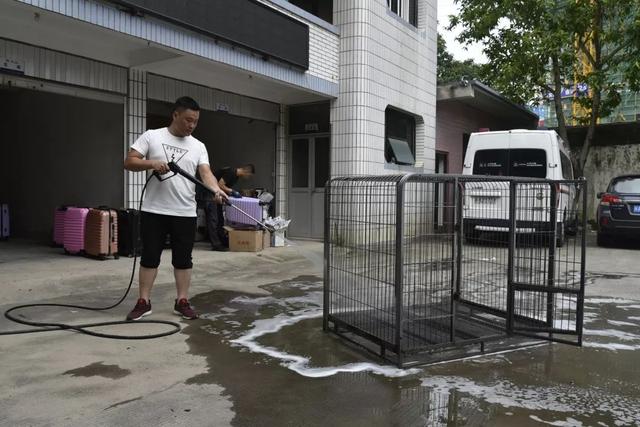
(169, 206)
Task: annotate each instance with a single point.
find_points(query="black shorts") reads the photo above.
(154, 229)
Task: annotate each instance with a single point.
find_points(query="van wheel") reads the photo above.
(471, 237)
(603, 240)
(560, 235)
(572, 227)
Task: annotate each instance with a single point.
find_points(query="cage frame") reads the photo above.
(517, 330)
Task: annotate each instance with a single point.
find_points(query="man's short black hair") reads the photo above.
(185, 103)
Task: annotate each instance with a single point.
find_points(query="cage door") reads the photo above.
(546, 278)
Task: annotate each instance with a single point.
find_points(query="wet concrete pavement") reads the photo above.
(291, 370)
(258, 355)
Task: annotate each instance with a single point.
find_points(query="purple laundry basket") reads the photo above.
(58, 226)
(249, 205)
(74, 225)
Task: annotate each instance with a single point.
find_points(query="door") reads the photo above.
(546, 283)
(309, 171)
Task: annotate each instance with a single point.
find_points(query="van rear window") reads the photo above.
(524, 162)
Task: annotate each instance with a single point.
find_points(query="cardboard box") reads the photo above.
(266, 239)
(245, 240)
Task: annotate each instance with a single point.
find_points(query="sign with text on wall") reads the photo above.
(222, 107)
(311, 127)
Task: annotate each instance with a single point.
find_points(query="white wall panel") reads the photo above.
(165, 89)
(60, 67)
(384, 61)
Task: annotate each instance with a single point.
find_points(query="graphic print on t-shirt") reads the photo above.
(174, 154)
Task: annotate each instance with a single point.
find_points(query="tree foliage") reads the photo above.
(538, 47)
(450, 69)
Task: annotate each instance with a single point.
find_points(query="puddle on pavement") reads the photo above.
(99, 369)
(279, 368)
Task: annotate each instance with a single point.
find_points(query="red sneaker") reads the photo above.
(183, 308)
(142, 308)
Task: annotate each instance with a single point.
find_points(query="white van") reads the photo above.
(518, 153)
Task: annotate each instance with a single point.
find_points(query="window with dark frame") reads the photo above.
(522, 162)
(413, 12)
(567, 169)
(400, 137)
(410, 15)
(394, 5)
(323, 9)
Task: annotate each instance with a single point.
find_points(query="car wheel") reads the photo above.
(560, 236)
(471, 237)
(603, 240)
(572, 227)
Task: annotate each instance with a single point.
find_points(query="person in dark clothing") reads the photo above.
(227, 177)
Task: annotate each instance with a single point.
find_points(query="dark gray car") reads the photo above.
(619, 210)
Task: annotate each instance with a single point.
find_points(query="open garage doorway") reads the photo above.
(58, 150)
(231, 141)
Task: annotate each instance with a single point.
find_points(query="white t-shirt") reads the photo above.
(176, 195)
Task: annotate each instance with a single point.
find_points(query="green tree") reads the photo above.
(538, 47)
(450, 69)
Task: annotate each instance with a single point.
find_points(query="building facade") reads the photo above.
(304, 89)
(469, 106)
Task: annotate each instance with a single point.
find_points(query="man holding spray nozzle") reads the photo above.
(169, 206)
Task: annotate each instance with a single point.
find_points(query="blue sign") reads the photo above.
(579, 89)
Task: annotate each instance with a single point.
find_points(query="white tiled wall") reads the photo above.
(384, 61)
(46, 64)
(323, 53)
(282, 186)
(136, 124)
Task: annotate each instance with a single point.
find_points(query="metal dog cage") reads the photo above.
(422, 268)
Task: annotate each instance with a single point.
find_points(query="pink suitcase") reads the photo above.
(101, 233)
(74, 226)
(249, 205)
(58, 226)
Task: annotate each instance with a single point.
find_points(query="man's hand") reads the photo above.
(160, 166)
(222, 198)
(235, 194)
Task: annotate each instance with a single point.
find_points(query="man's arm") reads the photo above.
(135, 162)
(223, 186)
(207, 177)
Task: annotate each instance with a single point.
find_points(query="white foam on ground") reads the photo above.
(211, 316)
(614, 333)
(256, 301)
(619, 323)
(611, 346)
(609, 301)
(492, 357)
(564, 398)
(312, 298)
(300, 364)
(589, 317)
(312, 302)
(569, 422)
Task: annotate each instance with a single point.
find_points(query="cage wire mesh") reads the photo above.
(426, 264)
